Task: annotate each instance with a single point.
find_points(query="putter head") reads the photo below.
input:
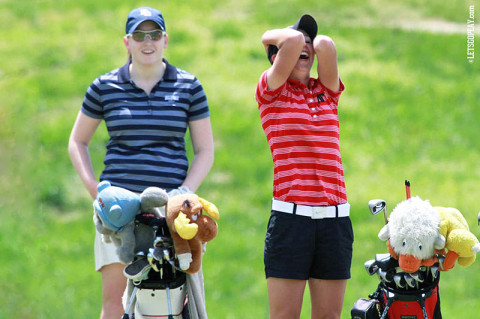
(377, 206)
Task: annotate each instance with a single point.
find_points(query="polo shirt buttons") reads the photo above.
(313, 109)
(310, 100)
(150, 109)
(315, 116)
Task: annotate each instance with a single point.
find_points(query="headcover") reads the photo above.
(116, 206)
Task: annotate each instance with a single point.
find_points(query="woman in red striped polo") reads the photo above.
(310, 235)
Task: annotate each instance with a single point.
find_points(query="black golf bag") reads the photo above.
(156, 286)
(400, 295)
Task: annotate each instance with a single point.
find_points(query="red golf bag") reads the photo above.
(400, 295)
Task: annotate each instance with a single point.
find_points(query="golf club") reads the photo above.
(378, 205)
(371, 267)
(417, 276)
(410, 281)
(399, 281)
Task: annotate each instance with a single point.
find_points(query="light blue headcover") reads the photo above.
(116, 206)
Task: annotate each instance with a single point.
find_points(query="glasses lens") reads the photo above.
(138, 36)
(154, 35)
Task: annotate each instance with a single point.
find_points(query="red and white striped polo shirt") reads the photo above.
(302, 129)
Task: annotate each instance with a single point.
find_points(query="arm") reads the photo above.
(80, 138)
(327, 62)
(290, 43)
(203, 150)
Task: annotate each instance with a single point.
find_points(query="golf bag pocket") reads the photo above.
(419, 306)
(365, 309)
(159, 303)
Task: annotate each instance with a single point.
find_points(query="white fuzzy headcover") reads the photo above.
(413, 228)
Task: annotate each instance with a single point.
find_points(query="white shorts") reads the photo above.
(105, 253)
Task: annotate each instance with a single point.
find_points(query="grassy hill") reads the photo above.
(409, 111)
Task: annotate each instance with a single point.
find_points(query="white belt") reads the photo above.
(315, 212)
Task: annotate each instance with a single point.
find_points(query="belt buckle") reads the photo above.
(319, 212)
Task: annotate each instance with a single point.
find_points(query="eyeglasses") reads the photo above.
(139, 35)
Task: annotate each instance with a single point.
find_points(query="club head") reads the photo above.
(417, 276)
(384, 276)
(166, 255)
(152, 260)
(440, 262)
(150, 255)
(157, 253)
(399, 281)
(377, 206)
(371, 267)
(410, 281)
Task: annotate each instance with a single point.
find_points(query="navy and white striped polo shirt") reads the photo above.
(146, 146)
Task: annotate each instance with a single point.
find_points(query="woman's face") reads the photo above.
(307, 57)
(146, 48)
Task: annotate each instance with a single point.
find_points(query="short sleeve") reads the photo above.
(263, 95)
(92, 105)
(198, 102)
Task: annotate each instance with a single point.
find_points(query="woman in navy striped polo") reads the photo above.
(147, 105)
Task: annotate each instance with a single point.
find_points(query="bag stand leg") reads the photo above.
(421, 301)
(169, 302)
(385, 311)
(130, 303)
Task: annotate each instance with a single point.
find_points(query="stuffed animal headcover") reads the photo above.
(115, 210)
(116, 206)
(190, 228)
(418, 233)
(413, 233)
(461, 244)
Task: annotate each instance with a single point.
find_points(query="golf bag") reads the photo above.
(156, 287)
(400, 295)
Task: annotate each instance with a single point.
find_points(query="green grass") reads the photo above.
(409, 112)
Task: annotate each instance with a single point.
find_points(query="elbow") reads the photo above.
(75, 147)
(295, 39)
(71, 147)
(206, 155)
(323, 44)
(210, 157)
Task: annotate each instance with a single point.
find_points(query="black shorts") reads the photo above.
(298, 247)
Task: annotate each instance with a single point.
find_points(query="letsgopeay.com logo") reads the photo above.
(471, 34)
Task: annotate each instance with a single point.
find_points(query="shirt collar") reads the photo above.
(169, 75)
(295, 83)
